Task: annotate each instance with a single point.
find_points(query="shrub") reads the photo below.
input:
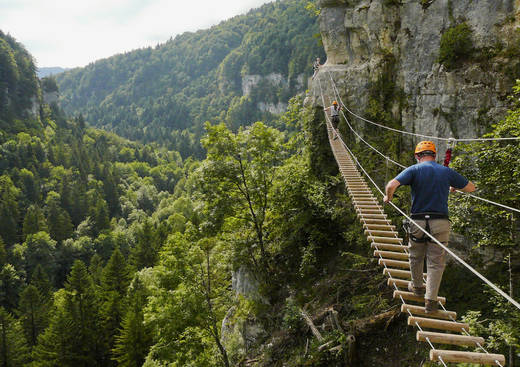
(456, 45)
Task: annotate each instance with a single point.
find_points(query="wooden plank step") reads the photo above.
(388, 246)
(398, 282)
(398, 273)
(373, 216)
(377, 221)
(419, 310)
(455, 356)
(409, 296)
(391, 255)
(369, 211)
(368, 206)
(394, 263)
(379, 226)
(438, 324)
(454, 339)
(385, 239)
(378, 232)
(363, 201)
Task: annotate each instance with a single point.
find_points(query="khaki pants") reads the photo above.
(435, 255)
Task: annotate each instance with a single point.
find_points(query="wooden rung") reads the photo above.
(369, 211)
(388, 246)
(385, 239)
(419, 310)
(373, 216)
(379, 226)
(398, 273)
(409, 296)
(391, 255)
(376, 232)
(438, 324)
(455, 356)
(398, 282)
(377, 221)
(442, 338)
(367, 206)
(394, 263)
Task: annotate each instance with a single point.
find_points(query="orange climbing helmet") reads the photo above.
(335, 103)
(425, 146)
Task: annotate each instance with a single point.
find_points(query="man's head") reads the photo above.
(335, 103)
(425, 151)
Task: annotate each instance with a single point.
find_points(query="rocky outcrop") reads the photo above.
(362, 37)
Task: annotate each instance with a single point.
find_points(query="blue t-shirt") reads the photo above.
(430, 184)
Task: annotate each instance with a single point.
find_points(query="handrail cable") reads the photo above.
(415, 134)
(455, 256)
(336, 93)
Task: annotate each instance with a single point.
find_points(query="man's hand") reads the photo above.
(386, 199)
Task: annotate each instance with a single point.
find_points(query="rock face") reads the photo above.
(364, 39)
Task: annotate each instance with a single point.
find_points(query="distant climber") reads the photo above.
(334, 115)
(316, 67)
(431, 184)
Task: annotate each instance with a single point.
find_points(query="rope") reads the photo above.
(381, 257)
(336, 94)
(415, 134)
(395, 286)
(434, 239)
(469, 267)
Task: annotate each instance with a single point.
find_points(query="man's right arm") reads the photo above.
(390, 189)
(470, 187)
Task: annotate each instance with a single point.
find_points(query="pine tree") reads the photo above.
(145, 253)
(8, 210)
(135, 338)
(39, 249)
(40, 280)
(96, 268)
(58, 220)
(34, 313)
(34, 221)
(10, 285)
(114, 284)
(74, 336)
(14, 351)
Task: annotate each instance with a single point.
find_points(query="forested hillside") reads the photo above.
(165, 94)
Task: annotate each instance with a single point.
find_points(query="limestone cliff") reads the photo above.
(366, 40)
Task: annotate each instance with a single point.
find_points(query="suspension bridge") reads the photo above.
(440, 327)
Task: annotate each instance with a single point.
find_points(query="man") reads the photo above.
(316, 67)
(334, 115)
(431, 184)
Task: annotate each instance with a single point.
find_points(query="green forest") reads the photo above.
(166, 94)
(211, 236)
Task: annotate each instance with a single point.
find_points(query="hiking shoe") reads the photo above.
(431, 306)
(418, 291)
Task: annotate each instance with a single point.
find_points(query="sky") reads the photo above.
(71, 33)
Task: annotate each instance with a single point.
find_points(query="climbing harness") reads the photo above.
(426, 217)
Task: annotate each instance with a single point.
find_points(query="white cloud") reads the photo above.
(71, 33)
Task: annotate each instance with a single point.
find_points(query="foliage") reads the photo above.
(456, 45)
(236, 178)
